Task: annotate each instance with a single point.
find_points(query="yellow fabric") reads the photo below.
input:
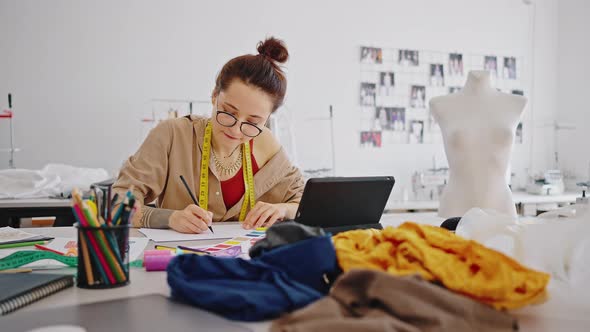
(461, 265)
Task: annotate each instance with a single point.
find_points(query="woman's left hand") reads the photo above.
(265, 215)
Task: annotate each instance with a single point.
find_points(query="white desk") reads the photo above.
(142, 282)
(11, 210)
(396, 219)
(567, 309)
(394, 205)
(520, 198)
(34, 202)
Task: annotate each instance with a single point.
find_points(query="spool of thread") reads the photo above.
(147, 253)
(157, 253)
(157, 263)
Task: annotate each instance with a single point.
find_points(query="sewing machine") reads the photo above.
(551, 183)
(428, 185)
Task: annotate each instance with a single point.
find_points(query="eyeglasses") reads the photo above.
(229, 120)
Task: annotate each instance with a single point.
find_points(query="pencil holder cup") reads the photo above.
(103, 256)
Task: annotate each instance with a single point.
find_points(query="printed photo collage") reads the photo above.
(397, 84)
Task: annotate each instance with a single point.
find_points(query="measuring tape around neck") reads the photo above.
(249, 198)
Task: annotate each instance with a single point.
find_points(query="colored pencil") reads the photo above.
(40, 247)
(87, 267)
(98, 253)
(112, 241)
(197, 251)
(192, 196)
(21, 244)
(20, 270)
(159, 247)
(102, 242)
(97, 263)
(117, 217)
(109, 259)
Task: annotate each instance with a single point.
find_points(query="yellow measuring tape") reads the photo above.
(249, 197)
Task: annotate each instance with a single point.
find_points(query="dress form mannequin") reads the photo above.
(478, 125)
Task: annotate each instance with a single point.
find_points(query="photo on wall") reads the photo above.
(518, 92)
(394, 99)
(416, 132)
(390, 118)
(386, 83)
(490, 63)
(371, 139)
(437, 76)
(509, 69)
(453, 89)
(367, 94)
(397, 116)
(371, 55)
(455, 64)
(418, 96)
(518, 138)
(408, 58)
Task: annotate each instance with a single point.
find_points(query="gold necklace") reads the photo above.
(229, 169)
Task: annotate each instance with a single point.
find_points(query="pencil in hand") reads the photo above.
(192, 196)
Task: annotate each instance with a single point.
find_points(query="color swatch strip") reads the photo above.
(233, 247)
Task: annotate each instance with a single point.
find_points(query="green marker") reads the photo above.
(21, 244)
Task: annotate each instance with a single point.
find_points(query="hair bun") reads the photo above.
(274, 49)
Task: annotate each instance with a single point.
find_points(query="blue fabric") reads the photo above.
(278, 281)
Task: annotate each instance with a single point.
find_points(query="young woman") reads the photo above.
(231, 161)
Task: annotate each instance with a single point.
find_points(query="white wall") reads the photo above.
(83, 72)
(573, 87)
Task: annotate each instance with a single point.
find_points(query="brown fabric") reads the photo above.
(174, 148)
(367, 300)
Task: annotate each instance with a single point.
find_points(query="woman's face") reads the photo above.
(248, 104)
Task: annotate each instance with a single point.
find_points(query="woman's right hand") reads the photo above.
(193, 219)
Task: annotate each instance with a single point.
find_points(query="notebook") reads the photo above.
(143, 313)
(18, 289)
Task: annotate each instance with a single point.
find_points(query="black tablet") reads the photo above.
(342, 203)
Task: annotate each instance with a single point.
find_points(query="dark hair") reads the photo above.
(261, 70)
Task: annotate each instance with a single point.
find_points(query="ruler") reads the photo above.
(25, 257)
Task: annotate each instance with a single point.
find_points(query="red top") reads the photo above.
(233, 189)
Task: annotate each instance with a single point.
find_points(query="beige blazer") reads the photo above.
(174, 148)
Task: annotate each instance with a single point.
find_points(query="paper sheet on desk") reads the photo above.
(63, 244)
(9, 234)
(222, 231)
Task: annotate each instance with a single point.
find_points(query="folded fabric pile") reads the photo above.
(392, 281)
(52, 180)
(277, 281)
(24, 183)
(366, 300)
(463, 266)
